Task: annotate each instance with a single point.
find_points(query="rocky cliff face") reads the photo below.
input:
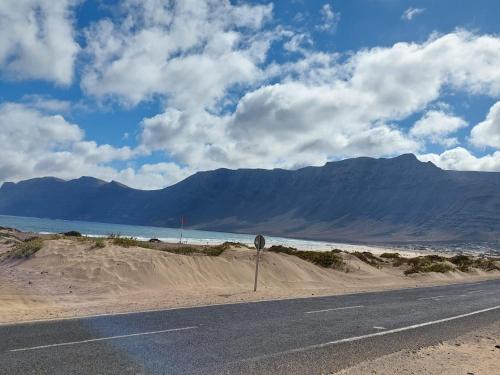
(362, 199)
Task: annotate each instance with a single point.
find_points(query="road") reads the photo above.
(298, 336)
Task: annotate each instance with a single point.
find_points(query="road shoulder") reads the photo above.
(472, 353)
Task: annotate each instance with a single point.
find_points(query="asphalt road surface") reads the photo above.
(299, 336)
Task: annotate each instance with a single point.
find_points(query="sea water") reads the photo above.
(189, 236)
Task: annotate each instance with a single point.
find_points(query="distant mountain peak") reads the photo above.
(119, 184)
(407, 157)
(88, 178)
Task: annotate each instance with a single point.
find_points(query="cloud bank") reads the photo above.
(224, 102)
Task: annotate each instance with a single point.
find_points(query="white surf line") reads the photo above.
(370, 335)
(101, 339)
(334, 309)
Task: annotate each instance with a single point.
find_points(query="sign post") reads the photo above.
(259, 243)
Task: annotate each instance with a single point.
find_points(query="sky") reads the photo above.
(148, 92)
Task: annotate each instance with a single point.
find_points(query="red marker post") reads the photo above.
(182, 227)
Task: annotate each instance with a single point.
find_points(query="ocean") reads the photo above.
(189, 236)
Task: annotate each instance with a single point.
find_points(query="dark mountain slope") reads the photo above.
(360, 199)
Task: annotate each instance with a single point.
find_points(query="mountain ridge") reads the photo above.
(359, 199)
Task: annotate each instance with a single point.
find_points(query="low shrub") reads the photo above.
(72, 233)
(435, 258)
(390, 255)
(26, 249)
(435, 263)
(327, 259)
(183, 250)
(428, 263)
(129, 242)
(236, 244)
(463, 262)
(283, 249)
(486, 265)
(99, 243)
(439, 267)
(191, 250)
(367, 257)
(215, 251)
(419, 261)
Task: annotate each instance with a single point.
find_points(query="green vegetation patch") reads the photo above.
(438, 263)
(72, 233)
(129, 242)
(182, 250)
(486, 265)
(26, 249)
(327, 259)
(390, 256)
(466, 263)
(463, 262)
(212, 251)
(428, 263)
(7, 235)
(368, 258)
(229, 244)
(99, 243)
(417, 261)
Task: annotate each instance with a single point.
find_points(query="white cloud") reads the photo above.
(462, 159)
(207, 62)
(324, 110)
(435, 126)
(329, 17)
(46, 103)
(37, 41)
(189, 51)
(36, 144)
(298, 43)
(284, 125)
(151, 176)
(411, 12)
(487, 133)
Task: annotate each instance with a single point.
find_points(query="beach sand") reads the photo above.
(69, 277)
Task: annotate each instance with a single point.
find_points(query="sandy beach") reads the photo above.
(70, 277)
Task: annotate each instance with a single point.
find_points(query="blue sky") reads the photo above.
(149, 92)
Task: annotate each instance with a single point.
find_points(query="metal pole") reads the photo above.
(256, 270)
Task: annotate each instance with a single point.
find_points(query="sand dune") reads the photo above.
(69, 277)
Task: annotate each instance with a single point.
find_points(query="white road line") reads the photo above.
(101, 339)
(370, 335)
(476, 291)
(377, 327)
(334, 309)
(435, 297)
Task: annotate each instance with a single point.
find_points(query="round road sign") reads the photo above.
(259, 242)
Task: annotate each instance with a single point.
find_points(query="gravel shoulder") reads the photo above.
(476, 353)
